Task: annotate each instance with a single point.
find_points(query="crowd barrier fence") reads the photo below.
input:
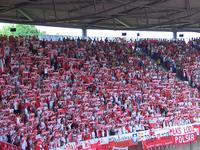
(143, 140)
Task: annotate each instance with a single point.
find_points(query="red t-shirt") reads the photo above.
(2, 52)
(37, 104)
(37, 147)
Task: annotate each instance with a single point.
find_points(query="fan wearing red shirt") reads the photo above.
(37, 104)
(88, 136)
(99, 133)
(127, 129)
(1, 93)
(37, 147)
(2, 53)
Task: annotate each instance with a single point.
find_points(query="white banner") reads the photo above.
(120, 148)
(70, 146)
(104, 140)
(181, 130)
(141, 136)
(135, 137)
(85, 144)
(119, 138)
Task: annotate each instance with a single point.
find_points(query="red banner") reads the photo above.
(197, 128)
(150, 138)
(126, 143)
(7, 146)
(155, 142)
(184, 139)
(184, 134)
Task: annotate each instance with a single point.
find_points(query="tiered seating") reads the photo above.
(72, 90)
(177, 56)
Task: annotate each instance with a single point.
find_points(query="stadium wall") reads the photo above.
(191, 146)
(185, 137)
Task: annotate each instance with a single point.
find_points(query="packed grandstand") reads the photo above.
(57, 92)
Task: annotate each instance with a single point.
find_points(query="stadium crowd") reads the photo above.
(178, 56)
(55, 92)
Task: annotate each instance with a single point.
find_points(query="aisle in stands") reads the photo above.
(177, 56)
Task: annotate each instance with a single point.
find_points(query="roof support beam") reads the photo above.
(174, 35)
(84, 32)
(54, 9)
(146, 16)
(16, 6)
(96, 21)
(120, 1)
(187, 6)
(93, 14)
(151, 4)
(169, 22)
(25, 14)
(81, 7)
(188, 24)
(122, 23)
(95, 7)
(170, 14)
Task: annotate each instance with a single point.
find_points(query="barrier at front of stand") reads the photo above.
(175, 135)
(166, 137)
(7, 146)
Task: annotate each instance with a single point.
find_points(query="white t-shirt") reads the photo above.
(7, 50)
(1, 64)
(18, 120)
(16, 105)
(24, 145)
(93, 135)
(120, 131)
(46, 70)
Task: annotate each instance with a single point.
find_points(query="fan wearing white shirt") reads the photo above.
(16, 107)
(24, 144)
(46, 72)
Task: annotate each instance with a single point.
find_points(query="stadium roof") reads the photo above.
(165, 15)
